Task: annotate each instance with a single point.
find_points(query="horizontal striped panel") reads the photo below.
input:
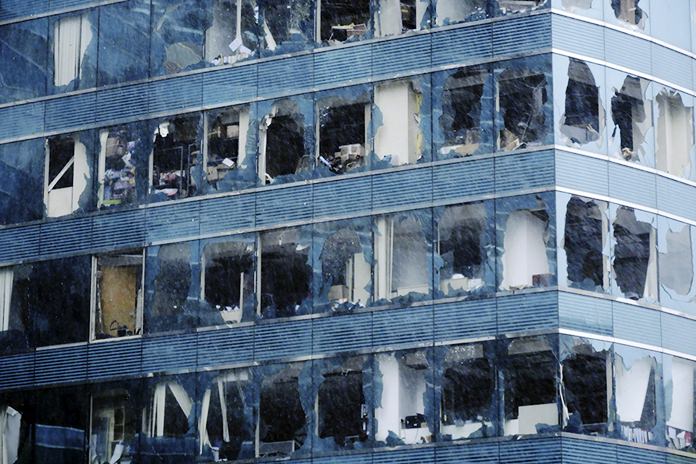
(227, 213)
(678, 334)
(459, 46)
(342, 333)
(676, 197)
(582, 173)
(72, 111)
(225, 346)
(532, 311)
(343, 197)
(406, 456)
(18, 8)
(522, 35)
(631, 455)
(623, 181)
(469, 453)
(463, 179)
(402, 326)
(169, 353)
(167, 95)
(172, 221)
(113, 359)
(61, 365)
(565, 32)
(524, 171)
(672, 66)
(283, 339)
(21, 120)
(278, 77)
(391, 58)
(587, 452)
(628, 51)
(283, 205)
(584, 313)
(344, 458)
(120, 229)
(121, 103)
(676, 459)
(533, 451)
(66, 236)
(400, 188)
(354, 63)
(17, 243)
(230, 85)
(64, 4)
(637, 324)
(17, 371)
(465, 319)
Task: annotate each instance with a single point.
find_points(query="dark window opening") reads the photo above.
(522, 101)
(581, 121)
(531, 381)
(584, 243)
(227, 426)
(60, 433)
(467, 391)
(229, 278)
(114, 425)
(345, 271)
(409, 20)
(585, 390)
(171, 287)
(282, 418)
(632, 252)
(628, 11)
(628, 112)
(62, 151)
(343, 20)
(285, 153)
(342, 408)
(175, 154)
(223, 146)
(461, 116)
(342, 137)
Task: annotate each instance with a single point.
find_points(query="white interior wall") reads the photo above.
(452, 10)
(397, 135)
(682, 414)
(631, 388)
(524, 252)
(673, 136)
(387, 415)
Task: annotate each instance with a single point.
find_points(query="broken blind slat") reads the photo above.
(280, 77)
(632, 185)
(66, 236)
(676, 198)
(169, 353)
(636, 323)
(524, 171)
(672, 66)
(535, 451)
(231, 85)
(21, 120)
(522, 35)
(465, 319)
(61, 365)
(165, 96)
(287, 339)
(393, 58)
(582, 173)
(345, 459)
(566, 32)
(19, 243)
(354, 63)
(470, 453)
(406, 456)
(122, 103)
(114, 359)
(584, 313)
(460, 46)
(460, 180)
(70, 112)
(227, 213)
(17, 371)
(225, 347)
(631, 455)
(628, 51)
(401, 188)
(10, 9)
(532, 311)
(342, 197)
(678, 334)
(283, 205)
(587, 452)
(173, 221)
(403, 326)
(118, 230)
(343, 333)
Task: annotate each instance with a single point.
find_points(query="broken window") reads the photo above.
(343, 414)
(118, 163)
(585, 239)
(630, 12)
(283, 417)
(169, 272)
(226, 427)
(634, 259)
(457, 11)
(403, 414)
(582, 120)
(671, 21)
(60, 433)
(228, 280)
(286, 26)
(680, 399)
(230, 35)
(676, 243)
(23, 60)
(285, 142)
(526, 233)
(507, 7)
(636, 377)
(465, 237)
(589, 8)
(344, 121)
(17, 419)
(169, 420)
(178, 34)
(174, 161)
(343, 264)
(15, 309)
(468, 382)
(529, 380)
(68, 173)
(522, 100)
(675, 133)
(74, 51)
(401, 119)
(403, 247)
(22, 180)
(285, 272)
(631, 136)
(227, 166)
(586, 386)
(119, 294)
(393, 17)
(343, 20)
(115, 424)
(466, 112)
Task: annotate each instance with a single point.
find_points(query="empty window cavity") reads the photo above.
(117, 167)
(675, 134)
(462, 100)
(635, 374)
(231, 34)
(629, 11)
(676, 263)
(287, 25)
(679, 391)
(519, 6)
(343, 20)
(169, 308)
(114, 425)
(68, 175)
(226, 140)
(281, 143)
(525, 261)
(169, 415)
(343, 135)
(634, 263)
(399, 16)
(174, 156)
(585, 235)
(583, 117)
(521, 101)
(457, 11)
(398, 138)
(72, 36)
(632, 119)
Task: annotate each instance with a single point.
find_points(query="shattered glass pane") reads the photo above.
(632, 14)
(16, 309)
(73, 51)
(286, 25)
(680, 399)
(177, 35)
(675, 151)
(507, 7)
(22, 180)
(676, 245)
(121, 165)
(114, 424)
(589, 8)
(60, 434)
(68, 186)
(394, 17)
(231, 31)
(582, 115)
(457, 11)
(343, 21)
(17, 419)
(23, 60)
(632, 135)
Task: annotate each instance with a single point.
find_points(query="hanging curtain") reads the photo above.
(72, 35)
(6, 279)
(10, 423)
